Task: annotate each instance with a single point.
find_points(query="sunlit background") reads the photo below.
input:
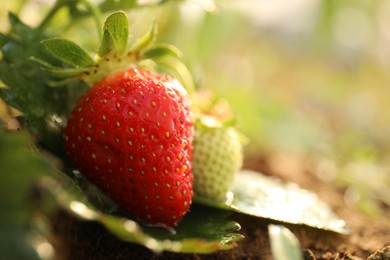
(304, 77)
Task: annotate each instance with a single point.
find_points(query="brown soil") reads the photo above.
(369, 238)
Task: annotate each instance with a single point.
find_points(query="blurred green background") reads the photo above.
(304, 77)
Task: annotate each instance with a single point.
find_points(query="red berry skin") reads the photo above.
(131, 135)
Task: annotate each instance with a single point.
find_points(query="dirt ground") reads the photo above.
(369, 238)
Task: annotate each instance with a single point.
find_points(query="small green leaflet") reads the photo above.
(68, 52)
(58, 71)
(266, 197)
(203, 230)
(116, 32)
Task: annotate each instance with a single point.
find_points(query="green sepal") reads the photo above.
(145, 40)
(147, 64)
(62, 82)
(65, 73)
(178, 69)
(161, 50)
(107, 44)
(68, 52)
(59, 71)
(115, 35)
(212, 122)
(207, 122)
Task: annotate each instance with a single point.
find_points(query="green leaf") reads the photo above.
(44, 108)
(115, 35)
(203, 230)
(68, 52)
(17, 26)
(59, 71)
(284, 245)
(266, 197)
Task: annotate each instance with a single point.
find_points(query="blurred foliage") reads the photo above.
(307, 77)
(20, 167)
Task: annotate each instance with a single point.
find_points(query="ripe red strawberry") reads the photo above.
(131, 135)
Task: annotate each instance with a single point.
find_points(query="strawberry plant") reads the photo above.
(45, 82)
(131, 133)
(123, 119)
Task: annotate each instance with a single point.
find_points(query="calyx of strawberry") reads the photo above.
(114, 54)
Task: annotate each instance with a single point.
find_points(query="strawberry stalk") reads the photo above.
(59, 4)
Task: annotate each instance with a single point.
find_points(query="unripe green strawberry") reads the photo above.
(217, 157)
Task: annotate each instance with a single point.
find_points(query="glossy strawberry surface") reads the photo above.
(131, 135)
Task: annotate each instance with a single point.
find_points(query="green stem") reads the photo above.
(97, 15)
(57, 6)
